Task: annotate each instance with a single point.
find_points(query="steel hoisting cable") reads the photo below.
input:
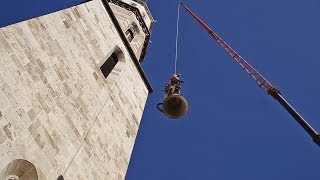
(177, 38)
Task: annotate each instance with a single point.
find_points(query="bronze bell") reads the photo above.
(175, 106)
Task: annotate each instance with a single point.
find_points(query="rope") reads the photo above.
(177, 37)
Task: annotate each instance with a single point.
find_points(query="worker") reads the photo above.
(173, 86)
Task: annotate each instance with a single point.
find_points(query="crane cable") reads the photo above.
(177, 39)
(176, 54)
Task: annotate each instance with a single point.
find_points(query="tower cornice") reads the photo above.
(142, 23)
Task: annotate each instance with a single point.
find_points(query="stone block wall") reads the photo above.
(57, 110)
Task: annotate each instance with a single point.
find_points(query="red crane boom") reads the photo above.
(260, 80)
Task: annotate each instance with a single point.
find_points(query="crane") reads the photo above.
(263, 83)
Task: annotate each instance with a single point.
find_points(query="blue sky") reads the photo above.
(233, 130)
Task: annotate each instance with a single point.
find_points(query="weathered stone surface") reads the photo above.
(57, 111)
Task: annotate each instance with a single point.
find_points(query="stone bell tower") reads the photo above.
(72, 91)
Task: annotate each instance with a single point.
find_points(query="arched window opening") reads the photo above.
(60, 177)
(19, 169)
(129, 35)
(110, 63)
(131, 32)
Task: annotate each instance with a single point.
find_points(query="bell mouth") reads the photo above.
(175, 106)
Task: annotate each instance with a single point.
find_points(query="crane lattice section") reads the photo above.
(253, 73)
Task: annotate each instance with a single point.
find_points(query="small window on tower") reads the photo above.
(129, 35)
(132, 31)
(110, 63)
